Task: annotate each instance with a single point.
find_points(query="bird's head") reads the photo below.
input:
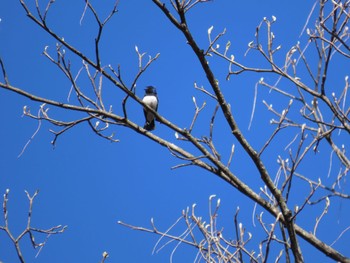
(150, 90)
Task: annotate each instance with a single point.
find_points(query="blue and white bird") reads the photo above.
(151, 100)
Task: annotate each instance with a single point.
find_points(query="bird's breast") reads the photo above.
(151, 101)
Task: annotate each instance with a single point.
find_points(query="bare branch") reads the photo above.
(4, 72)
(29, 229)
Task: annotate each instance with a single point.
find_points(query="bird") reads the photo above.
(151, 100)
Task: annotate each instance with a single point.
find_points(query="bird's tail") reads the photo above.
(149, 126)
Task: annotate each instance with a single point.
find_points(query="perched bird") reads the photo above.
(151, 100)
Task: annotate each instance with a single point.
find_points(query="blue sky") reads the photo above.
(89, 183)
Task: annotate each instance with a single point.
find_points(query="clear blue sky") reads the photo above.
(89, 183)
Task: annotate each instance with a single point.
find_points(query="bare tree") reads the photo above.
(315, 112)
